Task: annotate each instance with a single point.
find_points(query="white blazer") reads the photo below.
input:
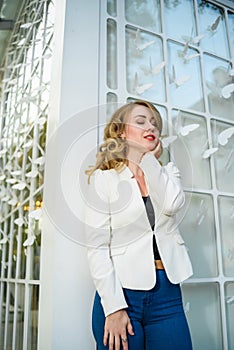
(119, 235)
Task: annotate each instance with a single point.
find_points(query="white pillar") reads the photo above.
(66, 287)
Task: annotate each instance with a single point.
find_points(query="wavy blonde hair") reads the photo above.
(112, 153)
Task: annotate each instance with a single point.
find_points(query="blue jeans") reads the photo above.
(157, 317)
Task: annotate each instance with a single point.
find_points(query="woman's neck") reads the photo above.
(134, 159)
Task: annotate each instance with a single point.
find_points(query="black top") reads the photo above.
(151, 217)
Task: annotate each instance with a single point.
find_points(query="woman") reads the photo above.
(136, 255)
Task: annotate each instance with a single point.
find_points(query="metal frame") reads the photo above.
(24, 109)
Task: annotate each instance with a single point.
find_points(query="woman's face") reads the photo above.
(141, 129)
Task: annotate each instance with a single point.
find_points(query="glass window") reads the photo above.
(111, 100)
(223, 139)
(183, 30)
(185, 77)
(144, 13)
(189, 147)
(145, 65)
(201, 302)
(111, 54)
(226, 217)
(229, 298)
(212, 26)
(198, 229)
(231, 31)
(111, 8)
(218, 79)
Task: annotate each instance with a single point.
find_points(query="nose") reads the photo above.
(150, 126)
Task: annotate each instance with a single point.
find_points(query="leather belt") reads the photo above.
(159, 264)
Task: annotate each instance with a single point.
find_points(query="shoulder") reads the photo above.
(101, 182)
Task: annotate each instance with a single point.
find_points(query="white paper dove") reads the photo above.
(185, 130)
(227, 90)
(209, 152)
(29, 241)
(19, 221)
(138, 42)
(225, 135)
(20, 186)
(35, 214)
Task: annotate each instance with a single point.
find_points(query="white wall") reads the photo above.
(66, 287)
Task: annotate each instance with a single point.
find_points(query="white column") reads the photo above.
(66, 287)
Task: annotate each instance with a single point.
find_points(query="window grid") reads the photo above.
(121, 95)
(24, 110)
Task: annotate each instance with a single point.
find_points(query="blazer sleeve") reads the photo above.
(164, 184)
(98, 234)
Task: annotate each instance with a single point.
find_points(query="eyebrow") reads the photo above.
(143, 116)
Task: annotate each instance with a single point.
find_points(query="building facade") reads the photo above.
(67, 66)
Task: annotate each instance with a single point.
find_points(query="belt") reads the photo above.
(159, 264)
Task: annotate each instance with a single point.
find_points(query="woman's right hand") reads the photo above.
(117, 326)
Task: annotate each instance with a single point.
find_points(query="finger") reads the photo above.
(124, 340)
(111, 342)
(130, 328)
(117, 342)
(105, 338)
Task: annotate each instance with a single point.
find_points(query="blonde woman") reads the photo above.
(136, 254)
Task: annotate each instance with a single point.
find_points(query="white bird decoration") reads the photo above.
(29, 241)
(227, 90)
(185, 130)
(35, 214)
(225, 135)
(209, 152)
(138, 42)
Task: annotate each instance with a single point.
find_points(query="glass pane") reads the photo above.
(111, 7)
(229, 295)
(218, 77)
(111, 54)
(212, 26)
(231, 30)
(111, 100)
(198, 229)
(185, 77)
(144, 13)
(19, 314)
(203, 313)
(176, 28)
(226, 216)
(145, 65)
(33, 317)
(189, 148)
(2, 312)
(9, 315)
(223, 139)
